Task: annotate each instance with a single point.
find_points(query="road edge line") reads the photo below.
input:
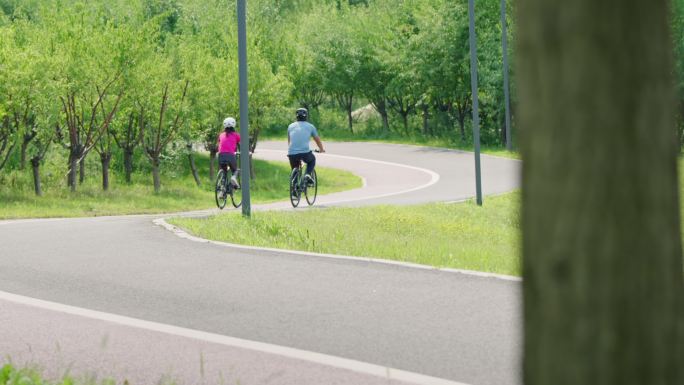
(283, 351)
(179, 232)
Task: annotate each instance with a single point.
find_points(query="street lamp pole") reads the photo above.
(507, 96)
(476, 116)
(244, 105)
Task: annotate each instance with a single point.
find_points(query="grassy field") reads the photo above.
(179, 191)
(459, 235)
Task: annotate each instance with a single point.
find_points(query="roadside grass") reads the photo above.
(29, 375)
(178, 193)
(459, 235)
(9, 375)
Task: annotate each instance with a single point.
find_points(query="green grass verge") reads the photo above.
(32, 375)
(179, 192)
(461, 235)
(458, 235)
(10, 375)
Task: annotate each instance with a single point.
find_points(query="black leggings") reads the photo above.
(307, 157)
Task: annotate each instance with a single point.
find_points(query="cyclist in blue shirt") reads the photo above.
(299, 134)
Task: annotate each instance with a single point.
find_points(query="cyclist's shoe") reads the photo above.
(233, 180)
(309, 180)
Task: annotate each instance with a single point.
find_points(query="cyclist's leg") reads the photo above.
(310, 160)
(295, 161)
(223, 161)
(232, 163)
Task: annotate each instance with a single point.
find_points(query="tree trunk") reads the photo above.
(426, 119)
(155, 174)
(461, 127)
(81, 170)
(380, 106)
(128, 164)
(74, 156)
(404, 118)
(27, 138)
(212, 164)
(349, 118)
(22, 159)
(385, 121)
(105, 159)
(35, 163)
(602, 269)
(191, 161)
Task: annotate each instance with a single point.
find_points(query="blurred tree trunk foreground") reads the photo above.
(602, 259)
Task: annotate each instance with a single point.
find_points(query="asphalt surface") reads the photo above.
(443, 324)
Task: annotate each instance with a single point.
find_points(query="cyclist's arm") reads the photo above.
(317, 139)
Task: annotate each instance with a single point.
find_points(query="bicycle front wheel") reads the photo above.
(312, 191)
(295, 193)
(220, 190)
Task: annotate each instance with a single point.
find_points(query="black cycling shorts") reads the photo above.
(228, 159)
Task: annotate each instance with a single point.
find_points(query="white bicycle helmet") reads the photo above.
(229, 122)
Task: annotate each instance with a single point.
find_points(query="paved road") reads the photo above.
(443, 324)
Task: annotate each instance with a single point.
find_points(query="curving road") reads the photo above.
(123, 297)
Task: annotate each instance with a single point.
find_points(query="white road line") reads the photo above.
(317, 358)
(185, 235)
(434, 177)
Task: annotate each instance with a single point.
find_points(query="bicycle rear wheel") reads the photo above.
(312, 191)
(295, 193)
(220, 192)
(235, 193)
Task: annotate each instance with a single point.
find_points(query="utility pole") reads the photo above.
(507, 96)
(244, 105)
(476, 116)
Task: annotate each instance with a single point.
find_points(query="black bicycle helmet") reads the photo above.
(302, 114)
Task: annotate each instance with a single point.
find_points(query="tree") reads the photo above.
(164, 107)
(602, 259)
(374, 39)
(339, 60)
(7, 128)
(126, 134)
(90, 89)
(44, 137)
(7, 136)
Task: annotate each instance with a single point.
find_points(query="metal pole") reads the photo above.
(244, 105)
(507, 96)
(476, 116)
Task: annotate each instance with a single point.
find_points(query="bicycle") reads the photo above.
(298, 185)
(225, 188)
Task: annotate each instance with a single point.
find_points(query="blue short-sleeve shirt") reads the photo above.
(300, 134)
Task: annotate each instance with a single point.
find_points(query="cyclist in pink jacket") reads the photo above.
(228, 142)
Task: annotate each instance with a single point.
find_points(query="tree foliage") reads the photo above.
(122, 78)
